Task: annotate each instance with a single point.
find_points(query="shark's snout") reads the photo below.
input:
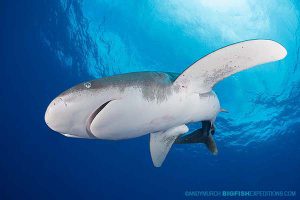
(55, 113)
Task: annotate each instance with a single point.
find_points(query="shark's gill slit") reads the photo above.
(92, 117)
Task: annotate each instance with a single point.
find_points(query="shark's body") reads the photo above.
(134, 104)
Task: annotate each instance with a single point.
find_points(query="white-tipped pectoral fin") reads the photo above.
(209, 70)
(161, 142)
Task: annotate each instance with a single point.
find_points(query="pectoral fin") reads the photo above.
(201, 76)
(161, 143)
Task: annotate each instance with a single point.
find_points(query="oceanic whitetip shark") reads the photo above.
(160, 103)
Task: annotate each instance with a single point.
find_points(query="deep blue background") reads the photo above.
(38, 163)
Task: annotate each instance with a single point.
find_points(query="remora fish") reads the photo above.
(160, 103)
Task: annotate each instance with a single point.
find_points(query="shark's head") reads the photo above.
(68, 113)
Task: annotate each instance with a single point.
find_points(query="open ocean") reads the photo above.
(47, 46)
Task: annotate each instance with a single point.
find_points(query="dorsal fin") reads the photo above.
(209, 70)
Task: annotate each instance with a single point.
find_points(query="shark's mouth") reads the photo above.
(92, 117)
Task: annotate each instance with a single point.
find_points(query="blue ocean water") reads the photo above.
(48, 46)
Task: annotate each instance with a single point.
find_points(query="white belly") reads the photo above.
(134, 116)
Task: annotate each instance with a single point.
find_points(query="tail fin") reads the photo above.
(211, 145)
(198, 137)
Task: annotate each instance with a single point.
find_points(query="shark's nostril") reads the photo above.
(63, 101)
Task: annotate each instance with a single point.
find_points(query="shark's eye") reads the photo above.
(87, 84)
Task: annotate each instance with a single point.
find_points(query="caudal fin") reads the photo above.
(211, 144)
(199, 137)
